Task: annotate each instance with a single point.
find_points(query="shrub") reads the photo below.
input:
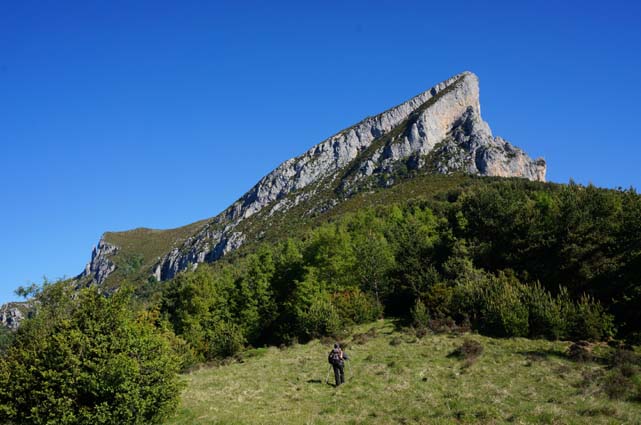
(438, 299)
(580, 352)
(469, 351)
(545, 316)
(354, 306)
(588, 320)
(502, 310)
(84, 359)
(225, 339)
(494, 304)
(443, 325)
(6, 338)
(623, 358)
(320, 319)
(187, 357)
(395, 341)
(502, 306)
(618, 386)
(420, 315)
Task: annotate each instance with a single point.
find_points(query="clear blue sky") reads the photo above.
(121, 114)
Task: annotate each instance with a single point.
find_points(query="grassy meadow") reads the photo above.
(396, 377)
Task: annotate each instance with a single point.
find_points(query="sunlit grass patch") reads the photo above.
(513, 381)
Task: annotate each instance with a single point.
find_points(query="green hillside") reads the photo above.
(509, 259)
(140, 249)
(395, 377)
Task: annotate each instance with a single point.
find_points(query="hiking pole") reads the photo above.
(327, 376)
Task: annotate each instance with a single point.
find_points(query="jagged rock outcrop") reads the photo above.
(11, 314)
(100, 265)
(440, 130)
(470, 147)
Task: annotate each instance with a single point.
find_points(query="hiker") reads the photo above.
(337, 359)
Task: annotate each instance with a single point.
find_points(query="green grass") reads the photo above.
(407, 381)
(143, 247)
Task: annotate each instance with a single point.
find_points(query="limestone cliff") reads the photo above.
(440, 130)
(11, 314)
(100, 265)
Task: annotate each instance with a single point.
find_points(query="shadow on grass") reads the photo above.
(319, 382)
(534, 355)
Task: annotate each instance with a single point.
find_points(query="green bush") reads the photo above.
(545, 313)
(320, 319)
(420, 315)
(494, 304)
(618, 386)
(503, 312)
(85, 359)
(354, 306)
(225, 339)
(438, 299)
(502, 306)
(587, 320)
(6, 338)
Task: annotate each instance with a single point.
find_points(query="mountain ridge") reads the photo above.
(440, 130)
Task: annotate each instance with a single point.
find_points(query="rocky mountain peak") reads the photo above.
(439, 130)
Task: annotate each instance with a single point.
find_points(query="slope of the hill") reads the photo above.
(395, 377)
(132, 254)
(438, 131)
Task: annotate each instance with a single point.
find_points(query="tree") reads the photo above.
(375, 259)
(86, 359)
(330, 251)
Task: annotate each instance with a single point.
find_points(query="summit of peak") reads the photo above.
(437, 131)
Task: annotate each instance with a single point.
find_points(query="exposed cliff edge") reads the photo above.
(11, 314)
(100, 266)
(439, 131)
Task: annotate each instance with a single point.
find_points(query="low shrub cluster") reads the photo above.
(500, 305)
(580, 352)
(355, 306)
(469, 351)
(623, 380)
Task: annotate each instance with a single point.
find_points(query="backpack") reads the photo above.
(335, 356)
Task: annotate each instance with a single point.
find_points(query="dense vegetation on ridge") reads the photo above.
(504, 257)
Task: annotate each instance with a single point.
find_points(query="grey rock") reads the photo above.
(440, 130)
(100, 265)
(11, 314)
(470, 147)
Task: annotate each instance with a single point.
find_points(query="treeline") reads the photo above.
(512, 258)
(505, 257)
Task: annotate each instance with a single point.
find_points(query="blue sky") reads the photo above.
(119, 114)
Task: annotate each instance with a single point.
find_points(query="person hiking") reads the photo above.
(337, 359)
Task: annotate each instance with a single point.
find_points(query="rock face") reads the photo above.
(12, 313)
(440, 130)
(470, 147)
(100, 265)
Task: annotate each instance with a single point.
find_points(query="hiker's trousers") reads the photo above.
(339, 373)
